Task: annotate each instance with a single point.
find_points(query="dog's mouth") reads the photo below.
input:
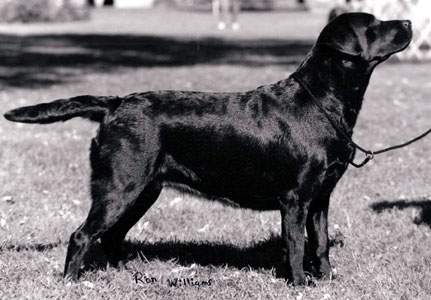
(397, 37)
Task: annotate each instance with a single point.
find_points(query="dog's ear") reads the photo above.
(345, 34)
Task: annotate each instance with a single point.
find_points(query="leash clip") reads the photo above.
(369, 156)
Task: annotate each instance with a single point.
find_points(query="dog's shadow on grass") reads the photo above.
(265, 254)
(261, 255)
(424, 217)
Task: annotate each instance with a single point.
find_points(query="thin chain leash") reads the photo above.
(368, 153)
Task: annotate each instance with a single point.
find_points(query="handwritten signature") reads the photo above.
(144, 279)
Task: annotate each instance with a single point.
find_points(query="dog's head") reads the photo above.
(362, 36)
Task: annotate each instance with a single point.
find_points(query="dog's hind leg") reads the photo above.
(107, 209)
(119, 176)
(112, 239)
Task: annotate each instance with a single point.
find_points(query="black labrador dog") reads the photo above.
(268, 148)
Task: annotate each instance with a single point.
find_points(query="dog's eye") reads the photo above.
(347, 63)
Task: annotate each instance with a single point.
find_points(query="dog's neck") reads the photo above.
(337, 82)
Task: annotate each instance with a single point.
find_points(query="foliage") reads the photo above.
(41, 11)
(259, 5)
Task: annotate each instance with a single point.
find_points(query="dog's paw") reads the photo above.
(306, 280)
(327, 274)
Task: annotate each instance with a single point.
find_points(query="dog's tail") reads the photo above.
(90, 107)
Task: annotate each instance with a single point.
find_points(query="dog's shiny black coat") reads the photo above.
(269, 148)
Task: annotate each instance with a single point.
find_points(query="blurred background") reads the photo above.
(68, 36)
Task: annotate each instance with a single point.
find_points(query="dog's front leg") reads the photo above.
(293, 216)
(317, 224)
(317, 230)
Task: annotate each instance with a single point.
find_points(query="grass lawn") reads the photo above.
(380, 216)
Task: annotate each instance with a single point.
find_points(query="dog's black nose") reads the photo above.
(407, 24)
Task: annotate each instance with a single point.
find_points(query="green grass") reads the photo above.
(382, 212)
